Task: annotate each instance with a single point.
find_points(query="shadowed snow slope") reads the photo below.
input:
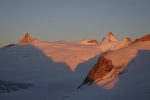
(50, 79)
(7, 87)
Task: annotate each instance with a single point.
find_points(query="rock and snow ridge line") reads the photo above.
(110, 65)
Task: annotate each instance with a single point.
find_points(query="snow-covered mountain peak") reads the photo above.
(109, 38)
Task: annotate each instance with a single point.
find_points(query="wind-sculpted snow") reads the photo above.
(7, 87)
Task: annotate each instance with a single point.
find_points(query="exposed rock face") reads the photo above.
(100, 69)
(89, 42)
(25, 39)
(103, 69)
(144, 38)
(92, 41)
(28, 39)
(109, 38)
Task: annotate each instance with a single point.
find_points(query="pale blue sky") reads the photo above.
(53, 20)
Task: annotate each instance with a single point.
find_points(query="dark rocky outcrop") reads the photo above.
(89, 42)
(93, 41)
(100, 71)
(10, 45)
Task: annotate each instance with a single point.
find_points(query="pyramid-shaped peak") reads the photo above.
(27, 35)
(28, 39)
(110, 33)
(110, 37)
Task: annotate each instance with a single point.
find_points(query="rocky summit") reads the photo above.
(28, 39)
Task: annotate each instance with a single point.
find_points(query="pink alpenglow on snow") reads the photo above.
(110, 70)
(72, 53)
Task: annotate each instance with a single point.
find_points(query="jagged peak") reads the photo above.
(28, 39)
(27, 34)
